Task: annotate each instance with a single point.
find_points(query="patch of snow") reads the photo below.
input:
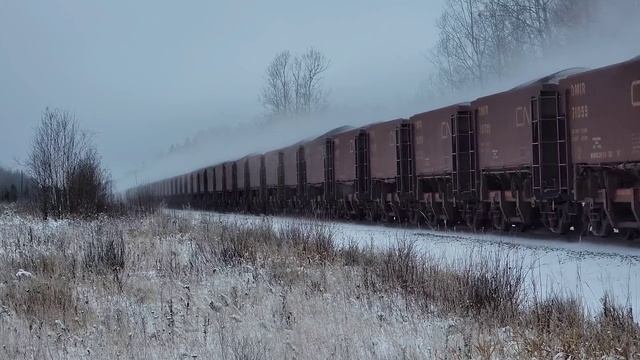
(586, 270)
(21, 274)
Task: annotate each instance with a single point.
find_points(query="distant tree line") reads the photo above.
(14, 185)
(66, 168)
(480, 40)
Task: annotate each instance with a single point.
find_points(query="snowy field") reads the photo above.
(586, 269)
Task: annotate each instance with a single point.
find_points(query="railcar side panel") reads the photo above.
(220, 178)
(290, 165)
(504, 127)
(603, 111)
(344, 156)
(254, 171)
(314, 153)
(271, 168)
(229, 171)
(432, 140)
(382, 149)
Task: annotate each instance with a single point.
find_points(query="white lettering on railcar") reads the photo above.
(483, 110)
(445, 130)
(635, 144)
(635, 93)
(485, 129)
(578, 89)
(522, 116)
(579, 112)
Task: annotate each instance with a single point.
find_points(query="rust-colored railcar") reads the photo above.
(211, 180)
(204, 181)
(232, 176)
(243, 176)
(314, 155)
(432, 140)
(603, 110)
(602, 107)
(522, 150)
(445, 165)
(290, 163)
(255, 171)
(272, 168)
(382, 149)
(344, 155)
(504, 127)
(221, 177)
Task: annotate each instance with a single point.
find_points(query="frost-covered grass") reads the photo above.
(174, 286)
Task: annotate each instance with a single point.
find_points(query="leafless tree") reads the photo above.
(484, 39)
(294, 83)
(462, 54)
(276, 95)
(66, 168)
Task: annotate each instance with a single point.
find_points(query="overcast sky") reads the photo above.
(142, 75)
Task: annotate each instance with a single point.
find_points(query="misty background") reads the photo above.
(169, 87)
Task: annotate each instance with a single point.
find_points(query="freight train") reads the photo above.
(561, 153)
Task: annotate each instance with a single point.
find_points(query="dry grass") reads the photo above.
(175, 286)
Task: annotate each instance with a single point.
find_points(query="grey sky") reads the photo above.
(142, 75)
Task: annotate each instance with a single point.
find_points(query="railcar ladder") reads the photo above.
(301, 170)
(247, 176)
(213, 172)
(329, 170)
(404, 158)
(550, 147)
(464, 156)
(224, 182)
(234, 178)
(363, 171)
(263, 179)
(205, 180)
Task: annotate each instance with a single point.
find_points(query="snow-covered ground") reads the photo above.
(586, 269)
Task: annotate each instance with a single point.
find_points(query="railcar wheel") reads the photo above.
(473, 220)
(432, 220)
(599, 224)
(499, 222)
(557, 221)
(414, 218)
(384, 217)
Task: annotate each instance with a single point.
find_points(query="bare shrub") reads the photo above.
(560, 324)
(491, 284)
(242, 242)
(616, 329)
(42, 300)
(481, 285)
(105, 250)
(311, 239)
(66, 168)
(247, 348)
